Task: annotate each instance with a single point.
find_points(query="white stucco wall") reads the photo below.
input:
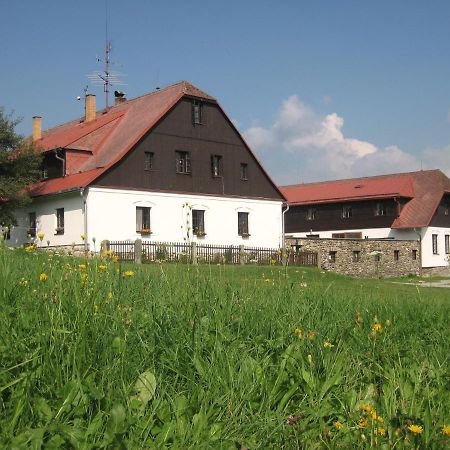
(428, 258)
(112, 215)
(45, 209)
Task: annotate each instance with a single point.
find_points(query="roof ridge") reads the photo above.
(343, 180)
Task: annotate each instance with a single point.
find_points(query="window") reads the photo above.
(414, 254)
(396, 255)
(244, 171)
(380, 209)
(447, 243)
(332, 257)
(148, 160)
(434, 243)
(44, 174)
(346, 212)
(32, 224)
(356, 256)
(143, 220)
(197, 112)
(216, 165)
(60, 221)
(243, 224)
(446, 209)
(311, 214)
(198, 222)
(183, 162)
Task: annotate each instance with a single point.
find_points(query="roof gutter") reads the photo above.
(61, 159)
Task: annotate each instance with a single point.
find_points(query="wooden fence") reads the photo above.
(148, 251)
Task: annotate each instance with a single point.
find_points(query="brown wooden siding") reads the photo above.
(328, 217)
(177, 132)
(440, 218)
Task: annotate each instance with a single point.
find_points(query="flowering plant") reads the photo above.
(146, 231)
(199, 233)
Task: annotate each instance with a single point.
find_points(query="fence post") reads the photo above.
(194, 253)
(104, 246)
(138, 251)
(241, 255)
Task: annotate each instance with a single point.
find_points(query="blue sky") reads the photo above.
(320, 89)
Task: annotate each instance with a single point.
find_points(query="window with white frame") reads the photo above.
(434, 243)
(311, 214)
(380, 209)
(60, 221)
(243, 224)
(346, 212)
(198, 222)
(143, 219)
(216, 165)
(32, 224)
(447, 244)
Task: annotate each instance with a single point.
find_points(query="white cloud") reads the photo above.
(303, 146)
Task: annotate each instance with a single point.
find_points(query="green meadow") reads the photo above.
(95, 354)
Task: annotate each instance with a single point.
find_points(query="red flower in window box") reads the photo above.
(200, 233)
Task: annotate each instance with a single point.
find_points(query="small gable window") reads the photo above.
(197, 112)
(346, 212)
(183, 162)
(216, 165)
(311, 214)
(148, 160)
(60, 221)
(244, 171)
(380, 209)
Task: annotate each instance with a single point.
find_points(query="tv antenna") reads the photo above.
(106, 77)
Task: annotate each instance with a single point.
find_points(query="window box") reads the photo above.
(200, 233)
(146, 231)
(245, 235)
(59, 230)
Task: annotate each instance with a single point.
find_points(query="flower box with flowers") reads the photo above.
(146, 231)
(245, 235)
(199, 233)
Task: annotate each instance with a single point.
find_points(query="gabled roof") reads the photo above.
(114, 132)
(423, 191)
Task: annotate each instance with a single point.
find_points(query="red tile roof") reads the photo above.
(424, 189)
(113, 133)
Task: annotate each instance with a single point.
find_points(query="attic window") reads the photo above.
(197, 112)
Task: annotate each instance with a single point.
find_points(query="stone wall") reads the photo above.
(363, 257)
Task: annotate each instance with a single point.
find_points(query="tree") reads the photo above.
(20, 165)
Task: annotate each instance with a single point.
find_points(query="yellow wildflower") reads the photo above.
(43, 277)
(363, 423)
(416, 429)
(83, 277)
(446, 430)
(128, 274)
(312, 335)
(366, 408)
(376, 417)
(83, 236)
(298, 332)
(96, 309)
(380, 431)
(328, 344)
(82, 266)
(110, 295)
(40, 236)
(23, 282)
(377, 327)
(338, 425)
(388, 323)
(102, 267)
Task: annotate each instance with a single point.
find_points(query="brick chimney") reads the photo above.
(89, 108)
(37, 128)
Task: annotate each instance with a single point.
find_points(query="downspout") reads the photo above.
(420, 250)
(63, 162)
(282, 225)
(85, 210)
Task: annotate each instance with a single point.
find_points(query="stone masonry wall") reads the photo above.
(363, 257)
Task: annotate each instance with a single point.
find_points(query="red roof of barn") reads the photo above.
(109, 137)
(423, 190)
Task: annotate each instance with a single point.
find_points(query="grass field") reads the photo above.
(95, 354)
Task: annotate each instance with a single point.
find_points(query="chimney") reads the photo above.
(89, 108)
(37, 128)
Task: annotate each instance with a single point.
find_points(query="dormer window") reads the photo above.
(311, 214)
(380, 209)
(197, 112)
(346, 212)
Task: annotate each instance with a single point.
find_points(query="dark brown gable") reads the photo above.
(441, 217)
(177, 132)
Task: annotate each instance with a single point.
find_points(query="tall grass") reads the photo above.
(175, 356)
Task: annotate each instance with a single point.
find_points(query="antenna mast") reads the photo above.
(106, 78)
